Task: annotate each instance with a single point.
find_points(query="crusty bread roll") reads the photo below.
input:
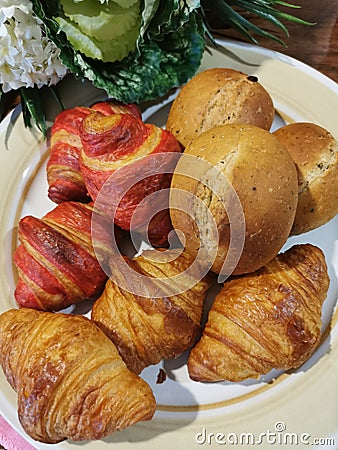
(315, 153)
(264, 177)
(218, 96)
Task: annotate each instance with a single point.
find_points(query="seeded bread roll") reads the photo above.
(315, 153)
(264, 177)
(218, 96)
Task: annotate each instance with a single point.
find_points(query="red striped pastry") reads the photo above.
(56, 261)
(138, 160)
(109, 107)
(63, 172)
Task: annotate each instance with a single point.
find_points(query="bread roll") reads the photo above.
(315, 153)
(264, 177)
(218, 96)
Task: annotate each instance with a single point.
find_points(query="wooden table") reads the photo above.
(315, 45)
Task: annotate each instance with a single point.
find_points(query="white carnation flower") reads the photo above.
(27, 57)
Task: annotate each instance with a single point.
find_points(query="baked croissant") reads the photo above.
(63, 171)
(123, 162)
(270, 319)
(70, 381)
(147, 328)
(56, 261)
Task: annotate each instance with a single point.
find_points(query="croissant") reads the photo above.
(56, 261)
(151, 321)
(270, 319)
(70, 381)
(123, 162)
(63, 171)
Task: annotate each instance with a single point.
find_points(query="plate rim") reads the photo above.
(299, 65)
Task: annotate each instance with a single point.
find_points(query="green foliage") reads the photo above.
(32, 108)
(230, 14)
(168, 52)
(104, 31)
(171, 39)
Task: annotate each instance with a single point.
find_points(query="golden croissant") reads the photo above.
(70, 381)
(158, 322)
(270, 319)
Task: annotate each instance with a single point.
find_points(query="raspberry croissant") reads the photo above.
(70, 381)
(56, 260)
(64, 176)
(270, 319)
(145, 324)
(124, 161)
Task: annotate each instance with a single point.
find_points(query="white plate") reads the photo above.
(297, 407)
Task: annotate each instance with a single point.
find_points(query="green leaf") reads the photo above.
(171, 15)
(148, 12)
(263, 9)
(158, 68)
(265, 12)
(105, 31)
(267, 9)
(106, 26)
(168, 54)
(2, 102)
(33, 109)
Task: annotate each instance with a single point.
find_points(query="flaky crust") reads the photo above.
(70, 380)
(145, 328)
(267, 320)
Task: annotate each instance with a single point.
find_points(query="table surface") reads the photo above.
(315, 45)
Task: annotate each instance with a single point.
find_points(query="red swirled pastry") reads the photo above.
(63, 172)
(56, 261)
(127, 166)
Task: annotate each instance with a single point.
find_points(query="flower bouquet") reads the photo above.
(135, 50)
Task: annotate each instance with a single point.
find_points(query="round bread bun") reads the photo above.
(264, 179)
(315, 153)
(215, 97)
